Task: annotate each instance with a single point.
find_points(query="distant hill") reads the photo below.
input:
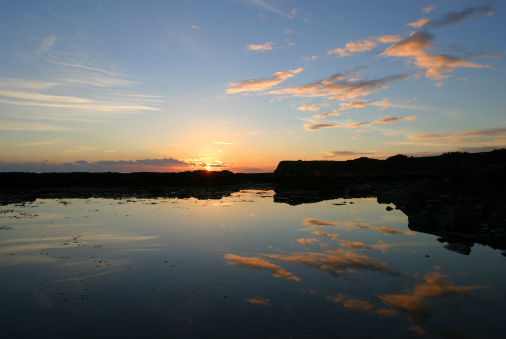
(466, 166)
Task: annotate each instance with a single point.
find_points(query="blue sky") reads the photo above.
(243, 84)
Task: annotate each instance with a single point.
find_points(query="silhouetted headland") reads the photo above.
(452, 195)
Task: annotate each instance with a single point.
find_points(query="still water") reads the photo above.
(236, 267)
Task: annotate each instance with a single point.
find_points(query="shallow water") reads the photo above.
(241, 266)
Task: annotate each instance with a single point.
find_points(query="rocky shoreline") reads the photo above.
(457, 196)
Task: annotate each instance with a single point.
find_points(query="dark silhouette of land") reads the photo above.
(458, 196)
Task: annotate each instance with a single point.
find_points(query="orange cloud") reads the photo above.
(414, 49)
(345, 106)
(261, 48)
(341, 87)
(388, 120)
(310, 241)
(261, 84)
(364, 45)
(312, 107)
(255, 263)
(419, 23)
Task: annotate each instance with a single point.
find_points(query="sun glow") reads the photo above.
(208, 167)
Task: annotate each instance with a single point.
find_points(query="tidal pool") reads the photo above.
(236, 267)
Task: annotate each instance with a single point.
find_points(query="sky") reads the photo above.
(240, 85)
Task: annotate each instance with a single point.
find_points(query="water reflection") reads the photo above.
(255, 263)
(241, 266)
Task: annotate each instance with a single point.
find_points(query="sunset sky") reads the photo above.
(242, 84)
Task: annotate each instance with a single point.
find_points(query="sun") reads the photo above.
(208, 167)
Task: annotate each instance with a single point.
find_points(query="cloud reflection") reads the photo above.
(414, 303)
(388, 230)
(259, 301)
(255, 263)
(338, 262)
(361, 305)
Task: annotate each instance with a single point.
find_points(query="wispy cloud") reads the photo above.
(80, 149)
(70, 73)
(261, 84)
(141, 165)
(272, 9)
(40, 143)
(419, 23)
(261, 48)
(364, 45)
(428, 9)
(341, 87)
(345, 106)
(388, 120)
(455, 17)
(256, 263)
(475, 133)
(18, 125)
(223, 143)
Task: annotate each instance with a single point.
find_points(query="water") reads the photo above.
(241, 266)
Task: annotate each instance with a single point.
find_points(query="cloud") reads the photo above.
(345, 106)
(79, 149)
(388, 120)
(261, 84)
(364, 45)
(142, 165)
(309, 241)
(419, 23)
(413, 48)
(312, 108)
(223, 143)
(455, 17)
(480, 149)
(340, 87)
(475, 133)
(82, 82)
(261, 48)
(314, 126)
(314, 57)
(40, 143)
(17, 125)
(428, 9)
(413, 303)
(255, 263)
(272, 9)
(347, 153)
